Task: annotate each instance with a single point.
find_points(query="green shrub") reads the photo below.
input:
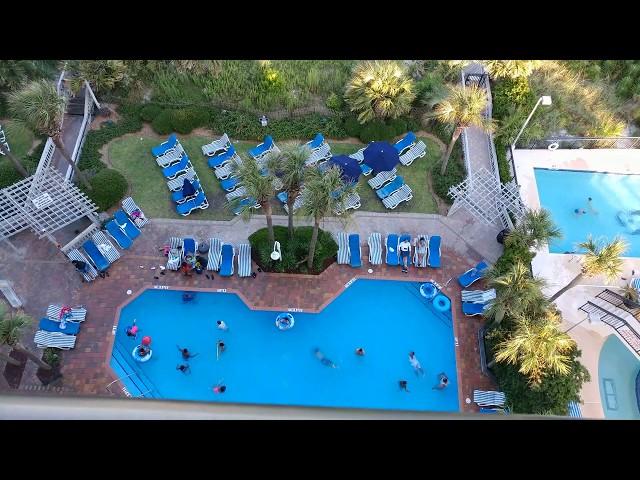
(185, 120)
(335, 102)
(455, 174)
(163, 123)
(503, 162)
(109, 186)
(511, 255)
(8, 174)
(51, 357)
(149, 112)
(375, 131)
(398, 126)
(352, 126)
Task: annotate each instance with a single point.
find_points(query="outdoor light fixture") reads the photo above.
(545, 100)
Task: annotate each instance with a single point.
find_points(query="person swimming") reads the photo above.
(184, 368)
(219, 388)
(403, 385)
(579, 211)
(590, 205)
(415, 364)
(132, 331)
(324, 360)
(186, 354)
(443, 381)
(221, 325)
(188, 296)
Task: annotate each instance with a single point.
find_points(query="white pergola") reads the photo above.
(488, 200)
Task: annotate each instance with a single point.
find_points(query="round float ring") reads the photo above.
(553, 146)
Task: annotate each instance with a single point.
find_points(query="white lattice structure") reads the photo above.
(487, 200)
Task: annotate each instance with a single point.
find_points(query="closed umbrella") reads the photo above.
(381, 156)
(187, 188)
(350, 167)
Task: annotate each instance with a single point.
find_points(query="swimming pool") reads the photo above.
(562, 191)
(264, 365)
(617, 372)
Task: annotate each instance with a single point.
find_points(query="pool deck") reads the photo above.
(43, 276)
(560, 269)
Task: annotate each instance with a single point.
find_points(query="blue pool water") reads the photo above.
(562, 191)
(617, 372)
(264, 365)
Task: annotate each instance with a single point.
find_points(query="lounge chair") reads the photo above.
(355, 251)
(316, 143)
(359, 155)
(226, 170)
(391, 243)
(177, 168)
(127, 225)
(405, 143)
(171, 157)
(189, 246)
(473, 274)
(390, 187)
(117, 233)
(574, 410)
(178, 197)
(134, 212)
(416, 151)
(105, 246)
(342, 239)
(174, 259)
(263, 148)
(58, 340)
(75, 254)
(97, 258)
(635, 283)
(381, 178)
(210, 149)
(244, 260)
(297, 203)
(405, 237)
(375, 248)
(433, 259)
(48, 325)
(177, 183)
(352, 202)
(470, 308)
(215, 254)
(322, 153)
(199, 201)
(488, 398)
(404, 194)
(478, 296)
(420, 259)
(230, 184)
(165, 146)
(283, 197)
(226, 265)
(224, 158)
(365, 169)
(249, 202)
(78, 314)
(237, 193)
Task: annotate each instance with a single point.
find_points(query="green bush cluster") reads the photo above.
(108, 188)
(162, 123)
(294, 250)
(455, 174)
(149, 112)
(378, 130)
(624, 74)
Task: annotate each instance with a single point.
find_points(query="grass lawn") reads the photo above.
(131, 155)
(19, 138)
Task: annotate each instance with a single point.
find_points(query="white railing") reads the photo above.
(82, 134)
(59, 84)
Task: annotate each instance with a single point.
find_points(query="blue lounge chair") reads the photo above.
(225, 157)
(91, 273)
(174, 170)
(189, 245)
(164, 147)
(127, 225)
(263, 148)
(355, 252)
(473, 274)
(390, 187)
(245, 202)
(408, 140)
(49, 325)
(433, 260)
(229, 184)
(98, 259)
(228, 254)
(178, 197)
(391, 243)
(407, 237)
(470, 308)
(283, 197)
(366, 169)
(199, 201)
(317, 141)
(117, 233)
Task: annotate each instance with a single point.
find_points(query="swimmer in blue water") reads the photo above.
(579, 211)
(188, 296)
(324, 360)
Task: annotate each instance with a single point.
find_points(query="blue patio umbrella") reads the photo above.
(350, 168)
(381, 156)
(187, 188)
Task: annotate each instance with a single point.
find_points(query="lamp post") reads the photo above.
(545, 100)
(593, 318)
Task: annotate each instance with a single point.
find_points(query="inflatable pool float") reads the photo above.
(630, 220)
(285, 321)
(428, 290)
(441, 303)
(138, 358)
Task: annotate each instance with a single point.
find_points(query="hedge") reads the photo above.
(109, 186)
(455, 174)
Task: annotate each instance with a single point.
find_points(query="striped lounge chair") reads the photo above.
(177, 183)
(170, 157)
(322, 153)
(375, 248)
(105, 246)
(488, 399)
(404, 194)
(420, 259)
(342, 240)
(129, 206)
(383, 177)
(89, 276)
(78, 314)
(574, 410)
(44, 339)
(214, 147)
(175, 253)
(417, 150)
(244, 260)
(359, 155)
(351, 202)
(215, 254)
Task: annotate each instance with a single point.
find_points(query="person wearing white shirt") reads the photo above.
(405, 254)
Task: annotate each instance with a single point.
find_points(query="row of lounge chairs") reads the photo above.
(50, 333)
(178, 170)
(350, 252)
(220, 256)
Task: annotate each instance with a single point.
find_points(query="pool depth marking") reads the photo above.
(350, 282)
(161, 287)
(295, 310)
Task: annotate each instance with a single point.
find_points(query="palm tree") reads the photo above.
(464, 107)
(11, 329)
(510, 68)
(16, 163)
(538, 348)
(290, 166)
(39, 107)
(259, 184)
(536, 229)
(380, 89)
(516, 291)
(101, 74)
(600, 259)
(324, 193)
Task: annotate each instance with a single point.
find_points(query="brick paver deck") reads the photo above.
(44, 277)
